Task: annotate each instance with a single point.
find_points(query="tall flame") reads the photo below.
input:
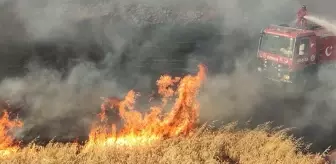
(6, 141)
(141, 129)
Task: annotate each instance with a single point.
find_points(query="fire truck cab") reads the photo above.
(292, 55)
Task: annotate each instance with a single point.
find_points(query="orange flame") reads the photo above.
(6, 141)
(138, 129)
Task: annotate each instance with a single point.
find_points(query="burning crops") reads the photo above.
(157, 136)
(143, 129)
(139, 128)
(7, 145)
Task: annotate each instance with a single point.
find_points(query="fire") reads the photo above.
(6, 141)
(139, 129)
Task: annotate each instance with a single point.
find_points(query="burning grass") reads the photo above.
(229, 145)
(7, 146)
(138, 128)
(156, 137)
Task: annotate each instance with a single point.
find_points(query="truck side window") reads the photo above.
(303, 46)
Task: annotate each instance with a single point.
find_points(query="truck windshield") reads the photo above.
(277, 45)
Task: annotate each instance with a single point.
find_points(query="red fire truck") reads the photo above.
(293, 55)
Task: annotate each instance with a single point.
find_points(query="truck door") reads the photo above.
(305, 61)
(306, 51)
(303, 52)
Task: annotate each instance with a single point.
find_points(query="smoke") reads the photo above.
(231, 97)
(237, 91)
(50, 19)
(50, 96)
(324, 94)
(316, 119)
(136, 41)
(241, 95)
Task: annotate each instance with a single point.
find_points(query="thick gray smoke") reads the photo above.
(138, 40)
(130, 44)
(318, 112)
(240, 94)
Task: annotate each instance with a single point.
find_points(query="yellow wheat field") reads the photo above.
(228, 145)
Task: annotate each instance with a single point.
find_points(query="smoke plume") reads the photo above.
(65, 55)
(140, 41)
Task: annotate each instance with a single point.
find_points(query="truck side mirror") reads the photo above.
(301, 49)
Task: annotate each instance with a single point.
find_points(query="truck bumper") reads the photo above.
(273, 79)
(278, 80)
(287, 87)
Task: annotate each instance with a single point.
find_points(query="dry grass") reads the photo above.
(229, 145)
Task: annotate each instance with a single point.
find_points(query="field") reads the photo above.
(262, 145)
(157, 137)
